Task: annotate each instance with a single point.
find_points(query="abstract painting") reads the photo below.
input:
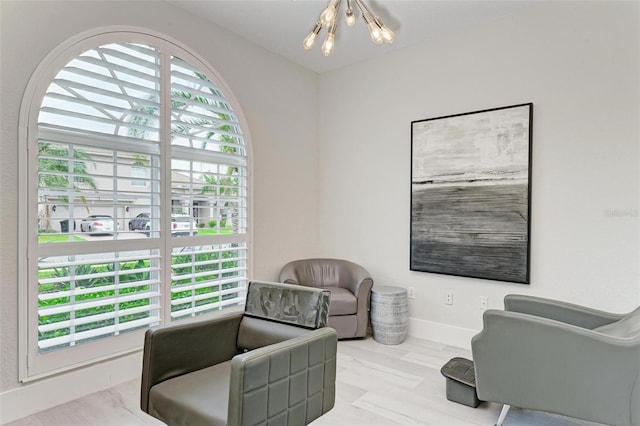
(470, 194)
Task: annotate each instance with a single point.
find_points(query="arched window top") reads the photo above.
(131, 141)
(114, 89)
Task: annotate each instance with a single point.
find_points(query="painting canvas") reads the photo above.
(470, 194)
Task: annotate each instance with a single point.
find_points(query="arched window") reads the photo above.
(134, 202)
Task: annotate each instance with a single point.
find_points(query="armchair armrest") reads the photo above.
(363, 285)
(288, 274)
(360, 284)
(568, 313)
(290, 382)
(177, 349)
(542, 364)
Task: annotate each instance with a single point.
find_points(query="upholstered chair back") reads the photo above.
(277, 312)
(324, 272)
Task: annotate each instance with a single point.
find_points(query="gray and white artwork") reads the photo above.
(470, 194)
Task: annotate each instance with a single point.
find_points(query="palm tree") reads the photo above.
(54, 172)
(227, 185)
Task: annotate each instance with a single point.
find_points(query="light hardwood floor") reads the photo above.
(377, 385)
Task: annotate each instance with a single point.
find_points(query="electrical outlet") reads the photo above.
(484, 303)
(448, 300)
(411, 292)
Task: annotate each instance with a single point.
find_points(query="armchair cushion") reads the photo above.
(627, 327)
(193, 399)
(255, 333)
(343, 302)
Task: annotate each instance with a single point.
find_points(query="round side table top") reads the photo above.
(388, 290)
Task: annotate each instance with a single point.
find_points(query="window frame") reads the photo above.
(32, 365)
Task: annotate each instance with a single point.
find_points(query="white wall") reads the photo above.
(579, 64)
(278, 100)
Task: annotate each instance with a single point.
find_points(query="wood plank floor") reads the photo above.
(377, 385)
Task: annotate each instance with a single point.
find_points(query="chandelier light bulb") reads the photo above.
(327, 46)
(387, 35)
(310, 39)
(328, 16)
(374, 32)
(329, 42)
(351, 18)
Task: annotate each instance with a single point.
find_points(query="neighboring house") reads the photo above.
(189, 196)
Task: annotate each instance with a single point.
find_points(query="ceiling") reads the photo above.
(280, 26)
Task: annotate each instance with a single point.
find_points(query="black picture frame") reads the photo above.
(471, 194)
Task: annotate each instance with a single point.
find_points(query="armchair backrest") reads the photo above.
(322, 272)
(580, 362)
(627, 328)
(275, 312)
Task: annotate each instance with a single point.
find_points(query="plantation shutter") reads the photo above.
(101, 159)
(99, 120)
(208, 182)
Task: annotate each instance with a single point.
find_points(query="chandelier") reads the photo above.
(378, 31)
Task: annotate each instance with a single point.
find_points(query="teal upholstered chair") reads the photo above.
(562, 358)
(274, 363)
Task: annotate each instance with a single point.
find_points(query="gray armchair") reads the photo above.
(562, 358)
(350, 286)
(275, 363)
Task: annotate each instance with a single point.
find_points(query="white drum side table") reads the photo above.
(389, 314)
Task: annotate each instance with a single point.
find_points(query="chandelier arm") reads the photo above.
(372, 16)
(363, 7)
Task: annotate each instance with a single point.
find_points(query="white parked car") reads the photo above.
(97, 224)
(183, 224)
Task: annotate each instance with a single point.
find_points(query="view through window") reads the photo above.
(138, 198)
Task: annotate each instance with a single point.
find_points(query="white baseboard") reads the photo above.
(40, 395)
(442, 333)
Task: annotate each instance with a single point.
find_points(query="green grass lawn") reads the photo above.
(214, 231)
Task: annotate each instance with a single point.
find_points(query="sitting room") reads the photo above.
(443, 195)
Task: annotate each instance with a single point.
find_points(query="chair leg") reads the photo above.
(503, 414)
